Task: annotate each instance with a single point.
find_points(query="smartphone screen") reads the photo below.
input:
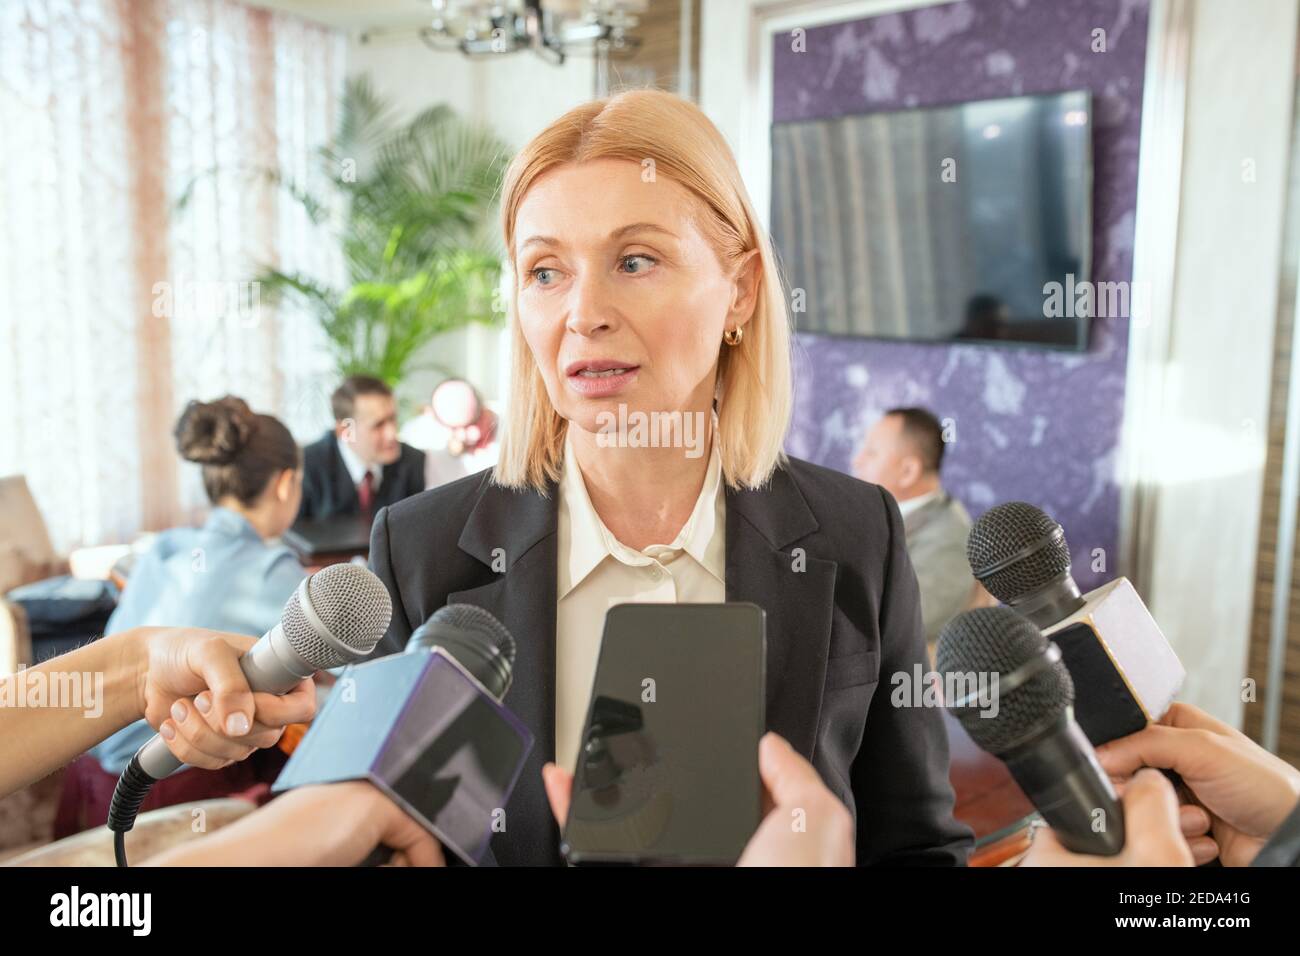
(668, 768)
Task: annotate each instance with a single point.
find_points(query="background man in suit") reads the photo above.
(359, 466)
(903, 452)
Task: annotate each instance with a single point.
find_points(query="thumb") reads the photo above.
(414, 844)
(559, 790)
(1151, 817)
(785, 774)
(1150, 804)
(216, 663)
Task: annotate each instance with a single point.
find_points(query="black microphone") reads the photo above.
(1028, 723)
(474, 639)
(429, 729)
(1126, 672)
(335, 617)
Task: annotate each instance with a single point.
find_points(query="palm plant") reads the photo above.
(410, 205)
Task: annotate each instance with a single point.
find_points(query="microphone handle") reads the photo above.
(1059, 772)
(269, 666)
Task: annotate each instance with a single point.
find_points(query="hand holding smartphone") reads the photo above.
(668, 768)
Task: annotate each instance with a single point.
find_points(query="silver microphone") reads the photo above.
(336, 617)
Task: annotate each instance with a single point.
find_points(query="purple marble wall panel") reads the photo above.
(1040, 426)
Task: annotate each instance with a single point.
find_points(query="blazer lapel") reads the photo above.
(517, 531)
(796, 591)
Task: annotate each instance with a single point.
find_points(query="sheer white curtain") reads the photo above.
(116, 305)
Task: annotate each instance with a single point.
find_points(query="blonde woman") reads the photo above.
(645, 290)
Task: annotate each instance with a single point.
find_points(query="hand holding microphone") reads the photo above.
(1127, 676)
(1248, 791)
(147, 671)
(336, 824)
(192, 691)
(1033, 731)
(1152, 824)
(336, 616)
(429, 729)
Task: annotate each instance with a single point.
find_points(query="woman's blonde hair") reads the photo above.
(672, 137)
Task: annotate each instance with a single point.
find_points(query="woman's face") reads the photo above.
(621, 299)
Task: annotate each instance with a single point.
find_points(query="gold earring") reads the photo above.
(733, 336)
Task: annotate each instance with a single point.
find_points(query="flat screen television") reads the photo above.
(970, 222)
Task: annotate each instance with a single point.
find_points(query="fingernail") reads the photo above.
(168, 731)
(178, 711)
(237, 725)
(203, 703)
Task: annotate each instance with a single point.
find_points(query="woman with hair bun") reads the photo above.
(226, 576)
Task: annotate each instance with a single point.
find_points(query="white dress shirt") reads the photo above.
(905, 508)
(597, 571)
(357, 468)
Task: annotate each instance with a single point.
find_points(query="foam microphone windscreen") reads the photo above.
(1016, 550)
(346, 613)
(477, 640)
(997, 640)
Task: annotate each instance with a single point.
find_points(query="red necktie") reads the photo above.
(366, 492)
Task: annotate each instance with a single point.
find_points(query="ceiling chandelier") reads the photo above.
(552, 29)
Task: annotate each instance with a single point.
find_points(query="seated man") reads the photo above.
(359, 466)
(903, 452)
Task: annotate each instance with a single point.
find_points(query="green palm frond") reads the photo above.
(411, 207)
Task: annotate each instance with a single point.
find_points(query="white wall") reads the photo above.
(1215, 392)
(414, 76)
(518, 95)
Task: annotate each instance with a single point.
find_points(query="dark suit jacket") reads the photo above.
(821, 552)
(327, 488)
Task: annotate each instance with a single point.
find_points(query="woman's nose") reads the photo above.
(589, 307)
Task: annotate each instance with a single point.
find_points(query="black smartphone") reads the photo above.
(668, 768)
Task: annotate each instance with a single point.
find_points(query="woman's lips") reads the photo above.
(600, 382)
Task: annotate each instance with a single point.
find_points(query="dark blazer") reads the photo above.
(327, 488)
(821, 552)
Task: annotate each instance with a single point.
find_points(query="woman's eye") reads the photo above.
(628, 262)
(541, 276)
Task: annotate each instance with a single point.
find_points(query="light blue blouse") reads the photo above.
(221, 576)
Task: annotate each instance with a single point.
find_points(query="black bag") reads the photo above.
(64, 612)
